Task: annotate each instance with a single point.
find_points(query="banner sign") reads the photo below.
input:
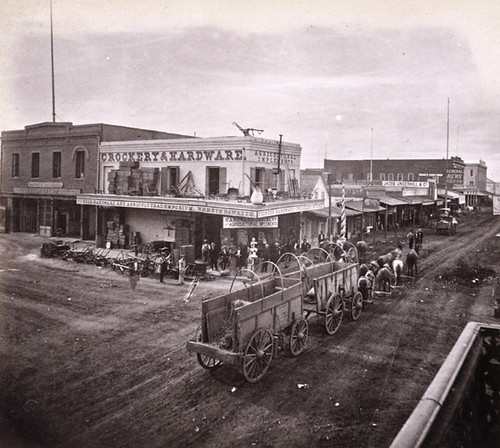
(496, 205)
(171, 156)
(243, 223)
(203, 207)
(404, 183)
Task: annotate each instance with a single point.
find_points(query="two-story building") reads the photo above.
(182, 191)
(46, 165)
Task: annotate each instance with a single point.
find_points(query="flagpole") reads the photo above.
(52, 65)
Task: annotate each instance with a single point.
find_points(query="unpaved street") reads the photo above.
(87, 362)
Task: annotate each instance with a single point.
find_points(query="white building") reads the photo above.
(183, 191)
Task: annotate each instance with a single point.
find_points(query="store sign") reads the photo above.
(455, 176)
(45, 184)
(203, 207)
(171, 156)
(230, 222)
(271, 157)
(48, 191)
(404, 183)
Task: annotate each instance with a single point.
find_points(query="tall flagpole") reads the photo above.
(52, 64)
(447, 146)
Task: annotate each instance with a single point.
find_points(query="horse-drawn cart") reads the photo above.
(245, 328)
(335, 292)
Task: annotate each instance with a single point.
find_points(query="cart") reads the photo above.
(335, 292)
(245, 328)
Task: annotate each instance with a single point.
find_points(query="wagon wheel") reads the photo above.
(298, 336)
(334, 313)
(258, 355)
(356, 306)
(207, 362)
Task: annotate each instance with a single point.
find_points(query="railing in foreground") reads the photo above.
(461, 407)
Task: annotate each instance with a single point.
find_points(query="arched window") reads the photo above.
(80, 154)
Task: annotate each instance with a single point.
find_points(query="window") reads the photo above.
(368, 177)
(56, 164)
(400, 176)
(35, 165)
(382, 176)
(80, 164)
(339, 178)
(216, 181)
(350, 176)
(411, 177)
(390, 176)
(472, 172)
(15, 165)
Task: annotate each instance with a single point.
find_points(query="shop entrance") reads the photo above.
(207, 227)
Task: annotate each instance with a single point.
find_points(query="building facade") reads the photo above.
(45, 166)
(182, 191)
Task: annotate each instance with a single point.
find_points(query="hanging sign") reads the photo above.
(230, 222)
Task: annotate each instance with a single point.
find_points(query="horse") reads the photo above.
(362, 247)
(365, 288)
(411, 262)
(363, 269)
(384, 259)
(397, 267)
(384, 278)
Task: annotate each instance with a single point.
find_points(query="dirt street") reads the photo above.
(87, 362)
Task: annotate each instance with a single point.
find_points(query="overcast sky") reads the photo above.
(322, 73)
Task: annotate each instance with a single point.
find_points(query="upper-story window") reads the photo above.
(35, 165)
(15, 164)
(339, 177)
(80, 164)
(382, 176)
(472, 172)
(411, 177)
(400, 176)
(56, 164)
(390, 176)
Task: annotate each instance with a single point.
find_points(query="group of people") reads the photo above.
(415, 239)
(243, 255)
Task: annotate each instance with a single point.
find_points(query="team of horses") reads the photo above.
(384, 272)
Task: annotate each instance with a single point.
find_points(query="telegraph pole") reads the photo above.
(447, 147)
(52, 65)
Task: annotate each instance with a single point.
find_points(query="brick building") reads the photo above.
(46, 165)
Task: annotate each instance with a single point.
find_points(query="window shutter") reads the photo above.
(164, 181)
(222, 180)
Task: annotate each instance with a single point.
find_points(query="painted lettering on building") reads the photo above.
(271, 157)
(172, 156)
(404, 183)
(230, 222)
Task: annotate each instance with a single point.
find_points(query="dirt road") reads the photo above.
(87, 362)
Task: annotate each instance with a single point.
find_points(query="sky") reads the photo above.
(355, 79)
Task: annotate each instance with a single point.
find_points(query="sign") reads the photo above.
(172, 156)
(242, 211)
(496, 205)
(455, 176)
(430, 175)
(404, 183)
(48, 191)
(271, 157)
(45, 184)
(244, 223)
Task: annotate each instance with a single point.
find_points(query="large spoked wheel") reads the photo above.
(334, 314)
(207, 362)
(298, 336)
(258, 355)
(356, 306)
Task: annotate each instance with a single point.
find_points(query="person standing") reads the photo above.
(205, 252)
(305, 246)
(321, 237)
(266, 256)
(419, 239)
(224, 258)
(411, 239)
(214, 256)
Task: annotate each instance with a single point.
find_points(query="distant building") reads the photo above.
(46, 165)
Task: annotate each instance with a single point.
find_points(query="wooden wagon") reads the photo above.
(335, 292)
(246, 327)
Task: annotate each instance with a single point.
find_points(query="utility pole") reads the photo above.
(447, 145)
(52, 65)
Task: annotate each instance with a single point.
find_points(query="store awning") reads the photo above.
(366, 208)
(336, 211)
(389, 200)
